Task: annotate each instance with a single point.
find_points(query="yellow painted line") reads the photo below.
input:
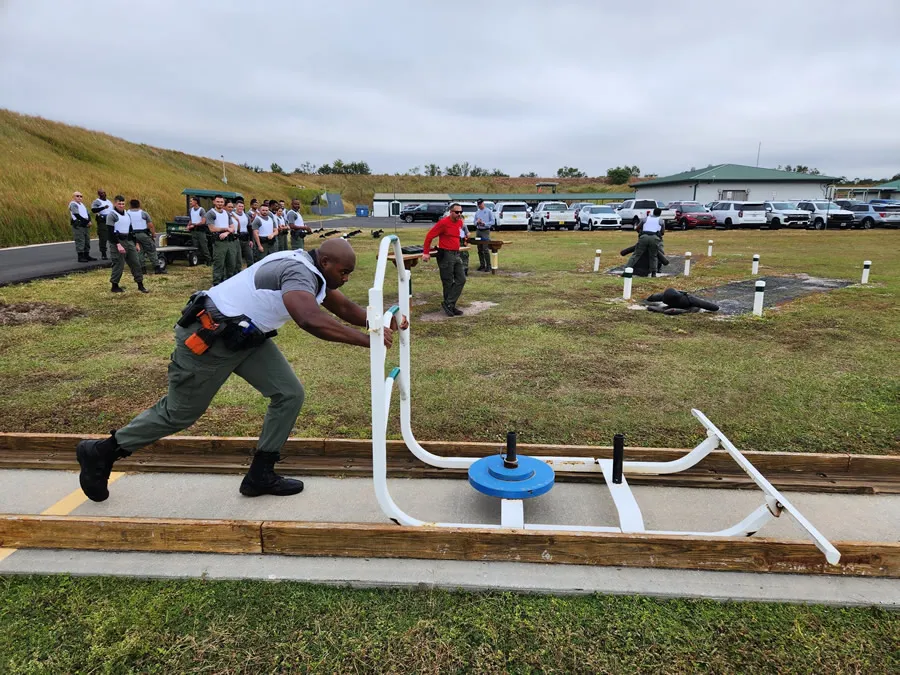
(63, 507)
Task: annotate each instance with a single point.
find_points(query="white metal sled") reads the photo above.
(512, 510)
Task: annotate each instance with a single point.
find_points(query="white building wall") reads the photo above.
(712, 190)
(381, 209)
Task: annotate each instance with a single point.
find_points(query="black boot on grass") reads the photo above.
(261, 478)
(96, 460)
(141, 287)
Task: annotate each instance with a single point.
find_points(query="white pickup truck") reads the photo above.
(553, 214)
(633, 212)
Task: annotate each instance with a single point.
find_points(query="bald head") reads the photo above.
(336, 260)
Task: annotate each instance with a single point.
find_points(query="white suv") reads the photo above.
(511, 215)
(785, 214)
(739, 214)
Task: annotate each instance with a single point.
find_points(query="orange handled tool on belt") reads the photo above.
(200, 341)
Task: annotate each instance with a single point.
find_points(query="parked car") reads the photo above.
(889, 202)
(613, 205)
(739, 214)
(469, 209)
(870, 215)
(785, 214)
(576, 209)
(594, 217)
(709, 205)
(689, 215)
(511, 215)
(847, 203)
(823, 213)
(552, 214)
(432, 212)
(635, 211)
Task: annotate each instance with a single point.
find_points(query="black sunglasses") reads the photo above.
(456, 212)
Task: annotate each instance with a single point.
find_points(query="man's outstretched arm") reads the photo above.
(307, 314)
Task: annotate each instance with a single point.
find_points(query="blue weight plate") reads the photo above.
(487, 476)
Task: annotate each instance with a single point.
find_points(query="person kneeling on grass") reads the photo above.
(649, 242)
(228, 329)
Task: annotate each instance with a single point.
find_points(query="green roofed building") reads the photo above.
(734, 182)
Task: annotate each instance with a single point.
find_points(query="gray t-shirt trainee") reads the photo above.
(287, 275)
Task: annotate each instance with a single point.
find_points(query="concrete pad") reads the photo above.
(31, 491)
(471, 576)
(853, 517)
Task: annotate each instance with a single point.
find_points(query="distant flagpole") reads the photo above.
(757, 153)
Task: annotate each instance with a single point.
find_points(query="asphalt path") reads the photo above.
(26, 263)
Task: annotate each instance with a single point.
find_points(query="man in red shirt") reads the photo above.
(453, 276)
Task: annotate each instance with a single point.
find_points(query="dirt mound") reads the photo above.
(20, 313)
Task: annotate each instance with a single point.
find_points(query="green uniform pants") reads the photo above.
(452, 276)
(270, 246)
(102, 235)
(226, 260)
(647, 244)
(119, 259)
(148, 249)
(82, 238)
(247, 248)
(201, 241)
(284, 242)
(194, 381)
(484, 251)
(298, 243)
(464, 257)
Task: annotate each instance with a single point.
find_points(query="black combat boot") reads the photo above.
(82, 257)
(96, 459)
(261, 478)
(141, 287)
(117, 289)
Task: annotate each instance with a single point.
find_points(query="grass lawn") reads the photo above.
(560, 358)
(94, 625)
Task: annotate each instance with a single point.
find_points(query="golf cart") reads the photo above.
(178, 241)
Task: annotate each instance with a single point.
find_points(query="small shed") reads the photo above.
(328, 204)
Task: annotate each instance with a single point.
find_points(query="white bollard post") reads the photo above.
(597, 260)
(709, 249)
(626, 291)
(687, 263)
(755, 268)
(495, 262)
(866, 265)
(758, 297)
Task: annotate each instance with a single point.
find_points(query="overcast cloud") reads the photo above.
(521, 85)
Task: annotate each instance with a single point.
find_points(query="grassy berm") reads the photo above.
(44, 162)
(560, 357)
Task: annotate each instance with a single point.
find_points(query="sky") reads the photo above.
(522, 85)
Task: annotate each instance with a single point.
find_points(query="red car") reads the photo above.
(689, 215)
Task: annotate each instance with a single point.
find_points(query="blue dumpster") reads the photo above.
(362, 211)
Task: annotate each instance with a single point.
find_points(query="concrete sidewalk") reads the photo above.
(838, 516)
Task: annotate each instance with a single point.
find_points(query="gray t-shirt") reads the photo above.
(293, 218)
(287, 275)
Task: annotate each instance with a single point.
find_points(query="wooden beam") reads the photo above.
(359, 540)
(820, 472)
(130, 534)
(745, 554)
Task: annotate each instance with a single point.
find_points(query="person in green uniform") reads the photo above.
(233, 259)
(247, 311)
(199, 231)
(219, 222)
(144, 236)
(297, 227)
(244, 233)
(121, 247)
(81, 227)
(265, 234)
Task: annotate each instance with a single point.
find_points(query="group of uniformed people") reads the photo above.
(121, 233)
(249, 236)
(225, 235)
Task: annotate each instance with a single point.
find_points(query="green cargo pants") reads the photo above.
(148, 249)
(649, 244)
(283, 242)
(226, 260)
(452, 276)
(247, 249)
(298, 243)
(270, 246)
(119, 259)
(194, 381)
(82, 238)
(201, 241)
(484, 251)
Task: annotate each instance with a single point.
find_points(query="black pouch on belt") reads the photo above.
(192, 309)
(240, 333)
